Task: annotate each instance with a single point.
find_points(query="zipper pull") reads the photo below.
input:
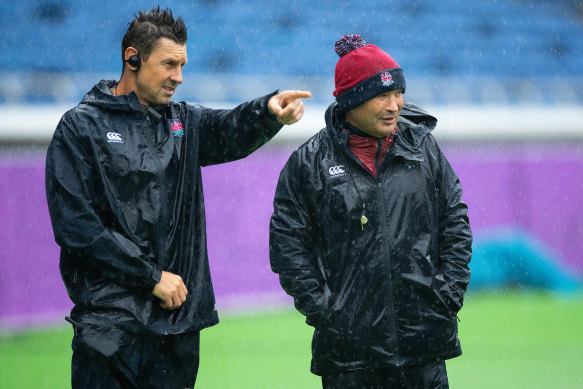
(363, 218)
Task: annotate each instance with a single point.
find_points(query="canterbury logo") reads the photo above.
(411, 164)
(114, 137)
(336, 171)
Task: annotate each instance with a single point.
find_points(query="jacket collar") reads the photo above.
(100, 95)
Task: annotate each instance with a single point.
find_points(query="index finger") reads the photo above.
(298, 94)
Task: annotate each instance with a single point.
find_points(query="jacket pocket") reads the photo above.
(443, 293)
(424, 282)
(320, 318)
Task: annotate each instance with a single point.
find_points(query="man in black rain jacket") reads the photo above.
(370, 235)
(125, 196)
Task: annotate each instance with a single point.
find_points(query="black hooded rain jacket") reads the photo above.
(386, 292)
(126, 201)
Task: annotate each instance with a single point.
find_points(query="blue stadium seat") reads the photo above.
(487, 38)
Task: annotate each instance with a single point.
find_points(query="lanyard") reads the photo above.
(363, 218)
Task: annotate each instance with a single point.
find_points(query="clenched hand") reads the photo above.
(288, 106)
(171, 290)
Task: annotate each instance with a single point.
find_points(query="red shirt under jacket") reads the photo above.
(368, 149)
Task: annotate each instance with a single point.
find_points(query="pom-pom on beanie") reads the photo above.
(363, 72)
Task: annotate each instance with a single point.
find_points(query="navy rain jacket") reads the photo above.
(386, 292)
(125, 196)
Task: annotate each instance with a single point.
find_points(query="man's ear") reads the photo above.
(132, 58)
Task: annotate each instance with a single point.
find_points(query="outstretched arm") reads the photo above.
(231, 134)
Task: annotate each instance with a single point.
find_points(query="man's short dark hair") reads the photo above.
(147, 28)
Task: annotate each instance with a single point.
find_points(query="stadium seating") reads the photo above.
(471, 40)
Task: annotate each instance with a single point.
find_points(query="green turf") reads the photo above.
(36, 360)
(515, 340)
(520, 340)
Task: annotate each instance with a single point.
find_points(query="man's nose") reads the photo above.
(177, 75)
(392, 104)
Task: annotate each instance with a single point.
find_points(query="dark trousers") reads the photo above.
(430, 376)
(134, 360)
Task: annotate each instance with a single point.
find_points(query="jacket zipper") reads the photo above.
(377, 164)
(163, 198)
(391, 297)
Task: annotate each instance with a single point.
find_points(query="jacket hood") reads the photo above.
(414, 124)
(101, 96)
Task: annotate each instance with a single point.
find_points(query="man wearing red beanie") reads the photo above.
(370, 235)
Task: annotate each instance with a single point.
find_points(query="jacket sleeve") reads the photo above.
(71, 192)
(455, 235)
(229, 135)
(291, 246)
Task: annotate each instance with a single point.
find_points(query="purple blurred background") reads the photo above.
(535, 187)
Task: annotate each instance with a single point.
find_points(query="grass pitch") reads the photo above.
(510, 340)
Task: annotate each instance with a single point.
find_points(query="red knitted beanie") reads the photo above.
(363, 72)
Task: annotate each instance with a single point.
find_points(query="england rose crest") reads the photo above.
(176, 126)
(387, 79)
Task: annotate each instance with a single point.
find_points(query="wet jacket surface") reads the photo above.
(125, 196)
(386, 292)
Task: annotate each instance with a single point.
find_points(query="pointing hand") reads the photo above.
(288, 106)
